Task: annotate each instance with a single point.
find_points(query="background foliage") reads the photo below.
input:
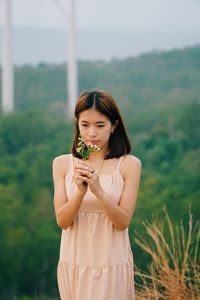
(158, 94)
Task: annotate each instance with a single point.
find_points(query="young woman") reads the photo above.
(94, 203)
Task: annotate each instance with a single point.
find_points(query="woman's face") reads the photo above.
(95, 128)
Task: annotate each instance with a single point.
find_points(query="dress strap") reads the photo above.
(119, 162)
(71, 160)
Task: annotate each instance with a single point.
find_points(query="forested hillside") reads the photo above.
(159, 94)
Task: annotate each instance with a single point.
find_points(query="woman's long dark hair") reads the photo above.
(101, 101)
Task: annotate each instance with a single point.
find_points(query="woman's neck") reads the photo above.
(96, 156)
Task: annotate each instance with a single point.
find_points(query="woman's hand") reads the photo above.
(86, 176)
(80, 183)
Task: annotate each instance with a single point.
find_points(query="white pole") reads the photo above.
(72, 81)
(7, 68)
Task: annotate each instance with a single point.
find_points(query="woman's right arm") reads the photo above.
(65, 210)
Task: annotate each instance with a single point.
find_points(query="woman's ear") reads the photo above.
(114, 126)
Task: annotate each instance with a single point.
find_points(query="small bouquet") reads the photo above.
(85, 150)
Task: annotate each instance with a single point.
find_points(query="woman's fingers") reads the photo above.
(84, 167)
(86, 173)
(83, 178)
(77, 179)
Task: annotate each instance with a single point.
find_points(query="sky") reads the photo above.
(110, 15)
(116, 28)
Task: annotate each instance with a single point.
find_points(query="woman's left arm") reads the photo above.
(120, 215)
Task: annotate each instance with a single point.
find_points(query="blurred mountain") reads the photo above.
(35, 45)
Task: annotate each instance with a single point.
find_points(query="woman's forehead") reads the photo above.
(93, 116)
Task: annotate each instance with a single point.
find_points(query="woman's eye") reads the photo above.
(86, 125)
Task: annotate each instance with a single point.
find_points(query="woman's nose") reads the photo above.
(92, 131)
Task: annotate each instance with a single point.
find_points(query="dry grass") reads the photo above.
(174, 272)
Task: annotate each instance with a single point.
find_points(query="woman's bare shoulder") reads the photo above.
(131, 159)
(130, 163)
(62, 163)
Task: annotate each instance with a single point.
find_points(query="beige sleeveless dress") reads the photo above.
(96, 262)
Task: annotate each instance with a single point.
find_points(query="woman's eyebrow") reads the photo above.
(98, 122)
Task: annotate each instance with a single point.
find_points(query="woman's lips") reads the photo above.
(93, 142)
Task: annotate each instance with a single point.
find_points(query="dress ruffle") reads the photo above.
(96, 283)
